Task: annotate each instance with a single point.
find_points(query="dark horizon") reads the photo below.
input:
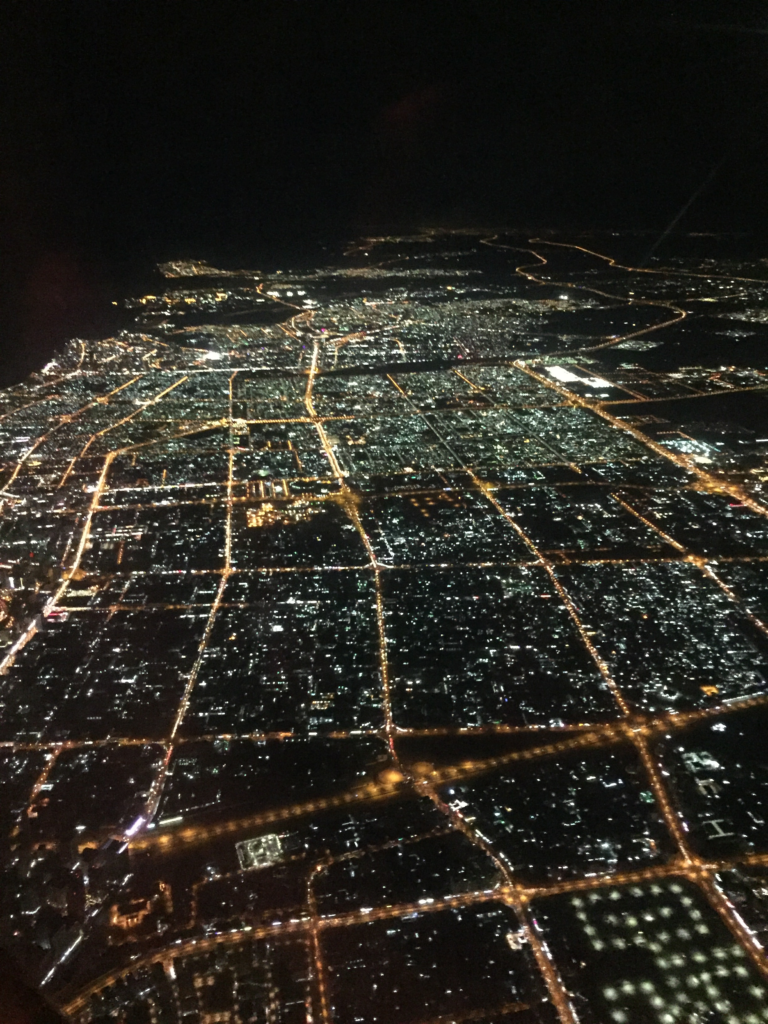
(233, 134)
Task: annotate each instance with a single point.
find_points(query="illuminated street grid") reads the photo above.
(379, 644)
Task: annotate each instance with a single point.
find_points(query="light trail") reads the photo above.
(643, 400)
(612, 340)
(707, 569)
(663, 801)
(606, 736)
(699, 561)
(158, 786)
(297, 927)
(317, 958)
(602, 667)
(710, 482)
(63, 420)
(30, 405)
(513, 895)
(484, 1013)
(40, 781)
(598, 733)
(96, 499)
(664, 271)
(101, 400)
(351, 509)
(649, 523)
(126, 419)
(558, 993)
(673, 868)
(172, 841)
(84, 533)
(487, 490)
(10, 657)
(734, 922)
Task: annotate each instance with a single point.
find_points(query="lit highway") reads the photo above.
(361, 483)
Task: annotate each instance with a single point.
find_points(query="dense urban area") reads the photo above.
(388, 642)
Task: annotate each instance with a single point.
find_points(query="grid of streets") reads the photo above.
(388, 642)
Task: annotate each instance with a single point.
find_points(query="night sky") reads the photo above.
(253, 132)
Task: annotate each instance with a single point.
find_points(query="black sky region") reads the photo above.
(256, 131)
